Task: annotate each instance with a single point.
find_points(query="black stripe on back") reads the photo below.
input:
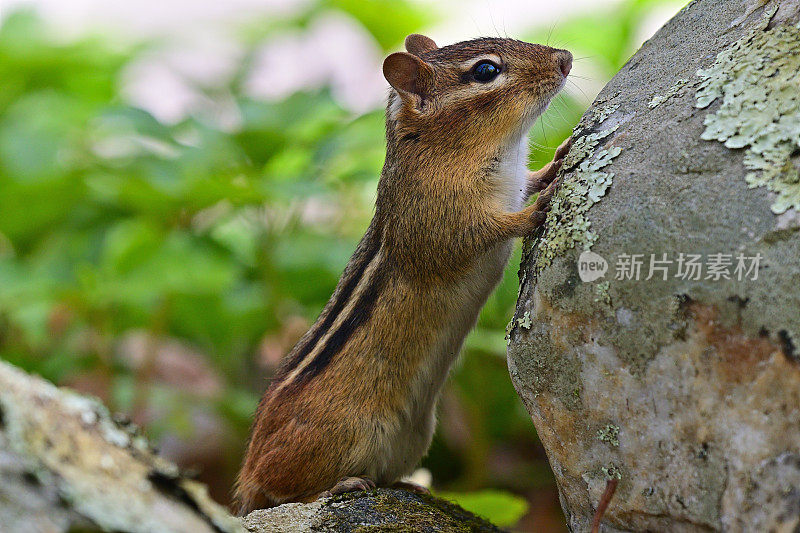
(373, 245)
(359, 314)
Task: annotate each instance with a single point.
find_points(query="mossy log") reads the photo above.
(686, 387)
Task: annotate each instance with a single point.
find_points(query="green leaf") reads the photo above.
(499, 507)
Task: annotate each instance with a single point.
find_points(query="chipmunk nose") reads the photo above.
(564, 60)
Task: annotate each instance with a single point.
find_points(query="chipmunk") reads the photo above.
(353, 404)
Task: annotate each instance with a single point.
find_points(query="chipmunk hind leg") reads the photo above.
(273, 474)
(250, 499)
(256, 497)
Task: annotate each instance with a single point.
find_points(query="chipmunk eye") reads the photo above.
(485, 71)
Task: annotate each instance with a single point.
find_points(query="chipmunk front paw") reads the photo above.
(562, 150)
(540, 180)
(536, 214)
(542, 202)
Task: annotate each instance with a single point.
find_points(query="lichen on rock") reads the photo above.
(525, 321)
(700, 376)
(599, 114)
(610, 434)
(758, 80)
(567, 223)
(611, 471)
(659, 99)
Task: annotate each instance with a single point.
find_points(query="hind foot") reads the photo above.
(349, 484)
(412, 487)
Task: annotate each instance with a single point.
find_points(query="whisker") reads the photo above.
(560, 114)
(538, 146)
(581, 90)
(543, 133)
(550, 33)
(564, 44)
(491, 18)
(582, 100)
(475, 23)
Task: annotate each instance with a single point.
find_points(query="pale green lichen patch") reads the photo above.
(758, 81)
(659, 99)
(599, 114)
(602, 292)
(582, 147)
(609, 434)
(525, 321)
(611, 471)
(567, 223)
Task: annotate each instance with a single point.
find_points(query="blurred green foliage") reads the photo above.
(501, 508)
(606, 37)
(225, 239)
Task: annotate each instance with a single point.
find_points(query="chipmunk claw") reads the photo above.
(563, 148)
(557, 164)
(543, 200)
(541, 179)
(537, 213)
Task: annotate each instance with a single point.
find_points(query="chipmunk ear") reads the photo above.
(408, 73)
(419, 44)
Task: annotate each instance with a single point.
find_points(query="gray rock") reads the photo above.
(67, 465)
(362, 512)
(686, 389)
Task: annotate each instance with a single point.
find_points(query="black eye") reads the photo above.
(485, 71)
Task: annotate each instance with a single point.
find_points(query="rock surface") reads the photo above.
(67, 465)
(685, 387)
(363, 512)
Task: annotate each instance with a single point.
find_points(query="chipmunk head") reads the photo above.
(478, 92)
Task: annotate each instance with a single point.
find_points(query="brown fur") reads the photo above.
(357, 395)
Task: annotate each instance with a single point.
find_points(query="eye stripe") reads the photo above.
(470, 63)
